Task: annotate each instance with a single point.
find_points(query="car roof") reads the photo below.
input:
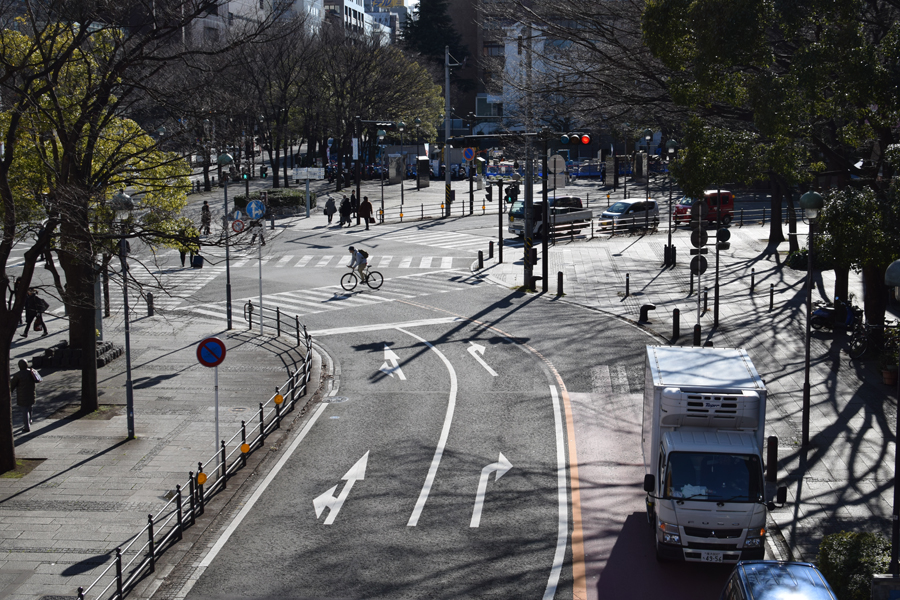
(771, 579)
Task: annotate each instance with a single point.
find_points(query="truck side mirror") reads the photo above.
(650, 483)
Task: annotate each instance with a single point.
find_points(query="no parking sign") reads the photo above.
(211, 352)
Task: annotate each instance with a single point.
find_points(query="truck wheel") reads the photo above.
(726, 220)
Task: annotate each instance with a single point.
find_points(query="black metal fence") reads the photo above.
(137, 557)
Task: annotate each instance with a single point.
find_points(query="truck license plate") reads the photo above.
(715, 557)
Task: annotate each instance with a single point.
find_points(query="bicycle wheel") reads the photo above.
(349, 281)
(374, 280)
(858, 343)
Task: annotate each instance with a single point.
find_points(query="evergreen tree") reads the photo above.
(429, 29)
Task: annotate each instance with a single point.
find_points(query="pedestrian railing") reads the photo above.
(270, 316)
(137, 556)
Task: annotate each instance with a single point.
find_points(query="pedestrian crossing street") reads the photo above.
(333, 261)
(333, 297)
(451, 240)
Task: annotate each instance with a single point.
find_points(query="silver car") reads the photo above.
(632, 213)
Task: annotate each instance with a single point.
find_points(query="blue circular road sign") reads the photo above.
(469, 154)
(211, 352)
(256, 209)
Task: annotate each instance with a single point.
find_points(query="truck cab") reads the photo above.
(702, 437)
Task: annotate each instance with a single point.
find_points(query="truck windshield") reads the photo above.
(713, 477)
(518, 209)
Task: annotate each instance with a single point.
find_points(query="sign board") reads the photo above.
(556, 164)
(256, 209)
(301, 173)
(237, 215)
(355, 145)
(237, 225)
(211, 352)
(698, 265)
(469, 154)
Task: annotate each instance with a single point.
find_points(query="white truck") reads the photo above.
(702, 440)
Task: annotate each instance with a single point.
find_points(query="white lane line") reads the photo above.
(207, 560)
(445, 433)
(562, 535)
(383, 326)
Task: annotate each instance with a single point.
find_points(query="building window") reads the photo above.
(492, 49)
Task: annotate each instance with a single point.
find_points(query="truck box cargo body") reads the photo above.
(702, 441)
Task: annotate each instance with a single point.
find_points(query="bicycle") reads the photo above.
(350, 280)
(859, 342)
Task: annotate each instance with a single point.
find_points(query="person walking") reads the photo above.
(354, 206)
(345, 211)
(365, 211)
(330, 209)
(205, 218)
(34, 310)
(22, 383)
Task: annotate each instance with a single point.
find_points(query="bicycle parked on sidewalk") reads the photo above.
(862, 338)
(350, 280)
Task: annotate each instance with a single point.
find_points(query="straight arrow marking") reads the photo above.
(328, 500)
(475, 350)
(500, 467)
(391, 364)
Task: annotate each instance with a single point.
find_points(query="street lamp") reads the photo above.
(811, 202)
(122, 203)
(418, 122)
(381, 135)
(224, 160)
(401, 127)
(892, 279)
(671, 148)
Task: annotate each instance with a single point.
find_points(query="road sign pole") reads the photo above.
(259, 247)
(216, 387)
(307, 195)
(227, 260)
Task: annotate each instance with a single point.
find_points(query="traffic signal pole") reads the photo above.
(499, 221)
(545, 221)
(529, 219)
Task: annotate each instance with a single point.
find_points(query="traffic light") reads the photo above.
(263, 171)
(245, 176)
(512, 193)
(490, 193)
(574, 139)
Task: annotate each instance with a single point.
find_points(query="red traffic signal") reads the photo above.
(585, 139)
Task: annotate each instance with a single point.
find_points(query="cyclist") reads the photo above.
(360, 261)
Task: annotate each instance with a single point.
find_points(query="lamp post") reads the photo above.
(122, 203)
(224, 160)
(401, 127)
(381, 135)
(418, 122)
(892, 279)
(811, 202)
(671, 148)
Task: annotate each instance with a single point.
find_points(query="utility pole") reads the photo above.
(529, 172)
(447, 117)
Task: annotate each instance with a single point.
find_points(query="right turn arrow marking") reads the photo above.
(501, 467)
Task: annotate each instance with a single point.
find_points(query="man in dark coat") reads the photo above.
(365, 211)
(34, 311)
(345, 211)
(354, 206)
(22, 383)
(330, 209)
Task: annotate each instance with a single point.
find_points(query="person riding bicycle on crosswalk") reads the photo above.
(360, 261)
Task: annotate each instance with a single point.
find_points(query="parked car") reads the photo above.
(682, 212)
(558, 206)
(775, 580)
(631, 213)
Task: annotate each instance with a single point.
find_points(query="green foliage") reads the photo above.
(278, 198)
(848, 560)
(431, 29)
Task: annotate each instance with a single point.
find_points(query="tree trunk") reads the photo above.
(776, 232)
(206, 185)
(842, 283)
(277, 155)
(340, 171)
(875, 293)
(287, 180)
(793, 243)
(8, 325)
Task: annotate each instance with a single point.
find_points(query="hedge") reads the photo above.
(278, 198)
(848, 560)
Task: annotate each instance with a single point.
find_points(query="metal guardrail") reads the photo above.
(137, 556)
(280, 319)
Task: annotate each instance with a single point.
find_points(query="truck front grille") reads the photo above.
(721, 534)
(704, 546)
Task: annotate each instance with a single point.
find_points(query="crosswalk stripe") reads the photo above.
(240, 263)
(384, 262)
(304, 260)
(407, 260)
(324, 261)
(447, 262)
(426, 262)
(284, 261)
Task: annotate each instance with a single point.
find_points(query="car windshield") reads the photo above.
(685, 201)
(518, 209)
(713, 477)
(618, 207)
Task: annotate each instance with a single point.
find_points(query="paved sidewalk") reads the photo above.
(92, 489)
(845, 480)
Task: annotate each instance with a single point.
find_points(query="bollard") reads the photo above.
(179, 512)
(741, 223)
(119, 587)
(149, 304)
(666, 255)
(592, 228)
(480, 260)
(250, 313)
(559, 283)
(752, 280)
(697, 334)
(676, 324)
(672, 254)
(705, 300)
(771, 296)
(423, 211)
(491, 249)
(193, 495)
(151, 551)
(278, 320)
(223, 466)
(645, 309)
(272, 222)
(627, 285)
(772, 458)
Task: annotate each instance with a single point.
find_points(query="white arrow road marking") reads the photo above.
(391, 364)
(475, 350)
(334, 504)
(500, 467)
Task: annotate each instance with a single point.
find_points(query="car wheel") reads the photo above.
(726, 220)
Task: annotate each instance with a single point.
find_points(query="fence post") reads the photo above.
(697, 334)
(193, 495)
(152, 547)
(705, 300)
(491, 249)
(293, 390)
(592, 228)
(764, 216)
(772, 458)
(200, 495)
(423, 211)
(262, 425)
(277, 413)
(118, 575)
(178, 508)
(752, 280)
(627, 284)
(278, 321)
(250, 314)
(149, 304)
(741, 224)
(480, 260)
(243, 441)
(223, 471)
(559, 283)
(676, 324)
(297, 325)
(771, 296)
(691, 291)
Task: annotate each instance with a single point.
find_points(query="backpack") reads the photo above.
(364, 253)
